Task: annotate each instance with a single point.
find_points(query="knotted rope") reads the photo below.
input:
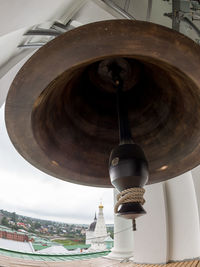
(134, 194)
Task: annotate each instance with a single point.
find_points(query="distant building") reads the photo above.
(14, 236)
(90, 231)
(97, 235)
(20, 224)
(44, 230)
(83, 231)
(11, 223)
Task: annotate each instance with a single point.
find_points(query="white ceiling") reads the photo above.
(19, 16)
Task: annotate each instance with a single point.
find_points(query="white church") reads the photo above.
(97, 234)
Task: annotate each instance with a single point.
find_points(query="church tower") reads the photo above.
(96, 235)
(100, 230)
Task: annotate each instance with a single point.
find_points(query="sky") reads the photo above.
(30, 192)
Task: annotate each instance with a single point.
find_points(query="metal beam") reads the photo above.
(179, 7)
(149, 8)
(194, 27)
(46, 32)
(31, 45)
(62, 27)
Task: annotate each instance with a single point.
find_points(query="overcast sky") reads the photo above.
(30, 192)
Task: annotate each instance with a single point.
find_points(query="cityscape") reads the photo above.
(64, 233)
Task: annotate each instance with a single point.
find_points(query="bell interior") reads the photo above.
(74, 120)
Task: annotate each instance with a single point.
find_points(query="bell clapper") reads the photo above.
(128, 166)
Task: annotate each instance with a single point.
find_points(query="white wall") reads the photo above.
(16, 17)
(26, 14)
(183, 218)
(17, 14)
(151, 237)
(170, 231)
(196, 180)
(89, 236)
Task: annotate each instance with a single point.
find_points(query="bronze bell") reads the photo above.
(61, 108)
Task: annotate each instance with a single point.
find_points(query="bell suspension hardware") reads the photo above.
(128, 166)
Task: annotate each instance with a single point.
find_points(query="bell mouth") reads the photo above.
(63, 120)
(74, 120)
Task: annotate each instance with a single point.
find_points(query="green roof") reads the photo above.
(38, 246)
(47, 257)
(41, 243)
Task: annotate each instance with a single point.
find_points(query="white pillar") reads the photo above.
(196, 179)
(170, 230)
(183, 218)
(151, 237)
(123, 237)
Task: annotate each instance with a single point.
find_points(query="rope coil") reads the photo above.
(134, 194)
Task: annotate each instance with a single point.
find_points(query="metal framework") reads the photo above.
(183, 13)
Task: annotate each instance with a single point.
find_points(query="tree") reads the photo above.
(37, 225)
(15, 227)
(58, 231)
(4, 221)
(14, 217)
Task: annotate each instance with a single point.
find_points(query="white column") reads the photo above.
(183, 218)
(196, 179)
(151, 237)
(123, 237)
(170, 230)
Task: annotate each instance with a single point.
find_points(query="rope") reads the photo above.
(115, 233)
(134, 194)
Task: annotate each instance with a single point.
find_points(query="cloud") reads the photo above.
(30, 192)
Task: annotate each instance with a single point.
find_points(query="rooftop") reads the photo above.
(99, 262)
(16, 245)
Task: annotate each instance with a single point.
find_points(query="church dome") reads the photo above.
(93, 224)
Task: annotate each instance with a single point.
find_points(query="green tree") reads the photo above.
(4, 221)
(37, 225)
(58, 231)
(15, 227)
(14, 217)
